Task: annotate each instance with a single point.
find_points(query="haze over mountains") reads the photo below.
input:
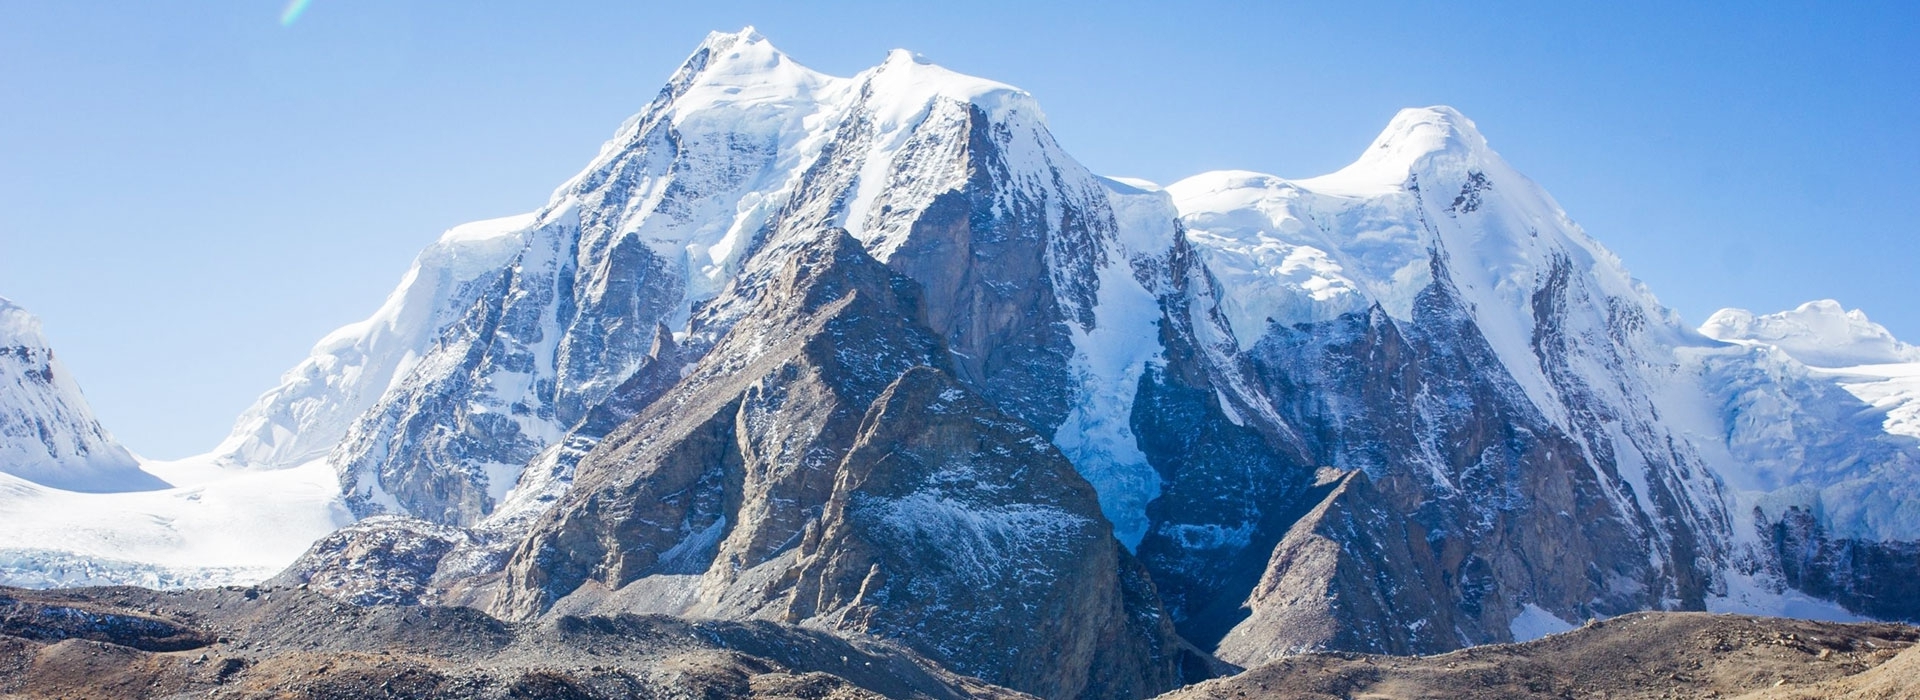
(874, 355)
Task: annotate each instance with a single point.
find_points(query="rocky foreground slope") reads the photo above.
(290, 643)
(1644, 655)
(287, 642)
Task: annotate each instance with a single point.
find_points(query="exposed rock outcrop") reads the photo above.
(820, 467)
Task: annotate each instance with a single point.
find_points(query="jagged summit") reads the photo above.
(723, 40)
(521, 327)
(744, 69)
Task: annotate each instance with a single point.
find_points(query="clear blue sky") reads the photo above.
(191, 193)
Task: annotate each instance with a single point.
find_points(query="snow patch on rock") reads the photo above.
(1534, 622)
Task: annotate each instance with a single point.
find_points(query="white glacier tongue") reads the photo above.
(215, 526)
(48, 434)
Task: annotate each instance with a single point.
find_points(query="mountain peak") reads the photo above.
(48, 434)
(1418, 131)
(903, 56)
(1417, 138)
(722, 41)
(910, 80)
(1820, 333)
(739, 70)
(17, 326)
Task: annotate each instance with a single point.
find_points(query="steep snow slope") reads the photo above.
(1290, 252)
(1429, 195)
(349, 369)
(48, 434)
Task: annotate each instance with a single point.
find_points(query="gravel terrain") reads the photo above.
(292, 643)
(1643, 655)
(287, 642)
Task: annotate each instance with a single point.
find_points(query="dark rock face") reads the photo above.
(964, 534)
(1318, 594)
(710, 471)
(819, 466)
(1231, 485)
(989, 285)
(1881, 579)
(1473, 503)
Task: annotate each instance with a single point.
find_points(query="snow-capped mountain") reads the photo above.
(874, 354)
(48, 434)
(1858, 354)
(1431, 319)
(506, 335)
(1818, 334)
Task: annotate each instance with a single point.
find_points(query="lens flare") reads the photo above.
(292, 13)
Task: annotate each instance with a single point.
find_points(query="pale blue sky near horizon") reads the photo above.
(191, 194)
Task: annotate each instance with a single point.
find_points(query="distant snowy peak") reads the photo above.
(1819, 334)
(1843, 346)
(48, 434)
